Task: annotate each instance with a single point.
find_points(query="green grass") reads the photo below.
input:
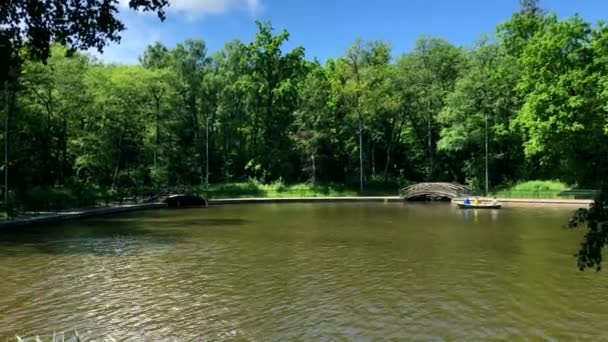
(59, 198)
(542, 189)
(280, 189)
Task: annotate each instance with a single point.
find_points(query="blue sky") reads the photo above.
(326, 28)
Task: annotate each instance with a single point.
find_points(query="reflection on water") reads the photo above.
(304, 272)
(473, 214)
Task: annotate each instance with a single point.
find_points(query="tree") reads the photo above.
(155, 56)
(356, 69)
(35, 25)
(53, 92)
(523, 25)
(596, 220)
(354, 61)
(189, 62)
(32, 26)
(110, 147)
(313, 118)
(431, 70)
(559, 86)
(482, 106)
(275, 77)
(380, 102)
(234, 108)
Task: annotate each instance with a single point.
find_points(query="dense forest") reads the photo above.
(537, 88)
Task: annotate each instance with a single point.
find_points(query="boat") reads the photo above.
(461, 205)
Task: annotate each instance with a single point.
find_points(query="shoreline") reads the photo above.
(79, 214)
(76, 214)
(394, 199)
(530, 202)
(323, 199)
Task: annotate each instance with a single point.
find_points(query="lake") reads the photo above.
(355, 271)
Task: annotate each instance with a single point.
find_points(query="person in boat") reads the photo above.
(467, 201)
(494, 201)
(476, 201)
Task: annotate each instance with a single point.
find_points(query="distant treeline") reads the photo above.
(253, 110)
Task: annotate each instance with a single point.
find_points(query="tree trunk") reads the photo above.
(430, 141)
(360, 154)
(197, 140)
(6, 140)
(314, 169)
(373, 158)
(64, 150)
(390, 144)
(487, 176)
(207, 151)
(117, 168)
(157, 136)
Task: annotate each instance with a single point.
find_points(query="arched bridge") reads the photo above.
(434, 191)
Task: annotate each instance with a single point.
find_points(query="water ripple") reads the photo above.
(302, 272)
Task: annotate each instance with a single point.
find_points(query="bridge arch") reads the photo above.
(434, 191)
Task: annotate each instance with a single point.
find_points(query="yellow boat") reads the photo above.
(461, 205)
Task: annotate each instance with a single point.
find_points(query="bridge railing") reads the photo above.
(451, 190)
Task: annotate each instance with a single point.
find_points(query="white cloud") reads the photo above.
(137, 36)
(202, 7)
(143, 30)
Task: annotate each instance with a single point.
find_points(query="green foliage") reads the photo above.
(187, 119)
(485, 92)
(540, 186)
(32, 27)
(254, 188)
(262, 119)
(536, 189)
(51, 199)
(595, 218)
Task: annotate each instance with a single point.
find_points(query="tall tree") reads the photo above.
(276, 77)
(37, 24)
(560, 88)
(233, 108)
(482, 106)
(357, 69)
(313, 120)
(432, 70)
(189, 62)
(516, 32)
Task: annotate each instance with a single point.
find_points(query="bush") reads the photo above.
(43, 199)
(538, 185)
(534, 189)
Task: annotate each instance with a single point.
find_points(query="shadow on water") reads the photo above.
(88, 238)
(112, 236)
(196, 223)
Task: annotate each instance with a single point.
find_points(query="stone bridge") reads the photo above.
(434, 191)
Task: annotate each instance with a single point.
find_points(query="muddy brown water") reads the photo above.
(355, 271)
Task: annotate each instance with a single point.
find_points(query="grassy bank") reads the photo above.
(56, 199)
(279, 189)
(542, 190)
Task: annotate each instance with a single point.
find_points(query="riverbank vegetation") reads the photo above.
(542, 189)
(253, 188)
(185, 117)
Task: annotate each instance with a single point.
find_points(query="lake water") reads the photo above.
(305, 272)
